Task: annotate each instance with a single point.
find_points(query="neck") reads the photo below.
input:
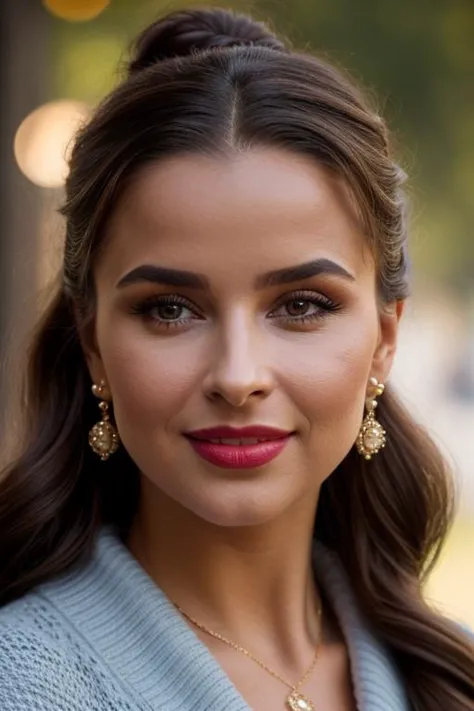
(254, 585)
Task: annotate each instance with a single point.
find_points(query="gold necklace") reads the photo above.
(295, 701)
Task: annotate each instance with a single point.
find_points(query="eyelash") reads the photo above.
(144, 308)
(326, 306)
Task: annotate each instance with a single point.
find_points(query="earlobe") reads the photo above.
(384, 355)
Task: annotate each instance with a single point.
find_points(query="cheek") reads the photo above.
(327, 380)
(150, 378)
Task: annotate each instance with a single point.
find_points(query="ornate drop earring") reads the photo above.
(103, 437)
(371, 438)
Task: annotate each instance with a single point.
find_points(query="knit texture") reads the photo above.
(106, 638)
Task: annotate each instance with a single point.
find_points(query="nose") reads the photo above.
(238, 369)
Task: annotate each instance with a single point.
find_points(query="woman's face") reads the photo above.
(238, 292)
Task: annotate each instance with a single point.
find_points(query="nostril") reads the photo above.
(235, 398)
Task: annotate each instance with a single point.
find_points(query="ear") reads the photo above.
(389, 321)
(90, 348)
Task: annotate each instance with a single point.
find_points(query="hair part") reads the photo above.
(210, 82)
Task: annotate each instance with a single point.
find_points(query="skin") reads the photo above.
(241, 357)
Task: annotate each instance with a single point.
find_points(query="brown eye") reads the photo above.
(303, 308)
(169, 312)
(297, 307)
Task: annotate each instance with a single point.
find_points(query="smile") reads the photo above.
(245, 448)
(239, 442)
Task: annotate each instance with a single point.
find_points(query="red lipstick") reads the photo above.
(239, 448)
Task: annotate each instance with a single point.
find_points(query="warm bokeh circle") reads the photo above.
(76, 10)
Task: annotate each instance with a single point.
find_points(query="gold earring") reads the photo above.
(371, 438)
(103, 437)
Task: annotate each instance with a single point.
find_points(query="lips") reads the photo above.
(251, 432)
(239, 448)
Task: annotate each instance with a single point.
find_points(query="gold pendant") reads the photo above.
(103, 439)
(298, 702)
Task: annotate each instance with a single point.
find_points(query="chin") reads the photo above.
(237, 520)
(237, 508)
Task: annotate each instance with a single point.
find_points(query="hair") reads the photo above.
(212, 82)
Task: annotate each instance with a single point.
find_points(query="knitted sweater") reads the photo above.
(106, 638)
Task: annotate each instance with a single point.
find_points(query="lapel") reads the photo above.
(377, 684)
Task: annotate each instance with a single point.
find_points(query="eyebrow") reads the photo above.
(180, 278)
(300, 272)
(163, 275)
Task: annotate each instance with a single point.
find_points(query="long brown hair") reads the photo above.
(207, 81)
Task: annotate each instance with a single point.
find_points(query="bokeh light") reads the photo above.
(76, 10)
(44, 138)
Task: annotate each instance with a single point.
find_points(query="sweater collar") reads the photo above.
(136, 631)
(376, 681)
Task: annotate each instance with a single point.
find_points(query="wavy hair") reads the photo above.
(211, 82)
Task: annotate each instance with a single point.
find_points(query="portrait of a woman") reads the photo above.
(218, 501)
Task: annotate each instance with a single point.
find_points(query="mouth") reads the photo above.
(239, 448)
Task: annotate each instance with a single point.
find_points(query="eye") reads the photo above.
(166, 310)
(303, 307)
(298, 307)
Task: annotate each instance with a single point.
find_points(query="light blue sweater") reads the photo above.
(106, 638)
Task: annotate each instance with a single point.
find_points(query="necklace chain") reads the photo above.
(236, 646)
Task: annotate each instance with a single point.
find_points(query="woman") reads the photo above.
(241, 528)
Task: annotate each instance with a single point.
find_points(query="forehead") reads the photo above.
(256, 211)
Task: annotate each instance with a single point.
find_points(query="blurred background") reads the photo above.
(59, 57)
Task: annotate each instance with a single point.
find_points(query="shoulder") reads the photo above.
(37, 665)
(42, 666)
